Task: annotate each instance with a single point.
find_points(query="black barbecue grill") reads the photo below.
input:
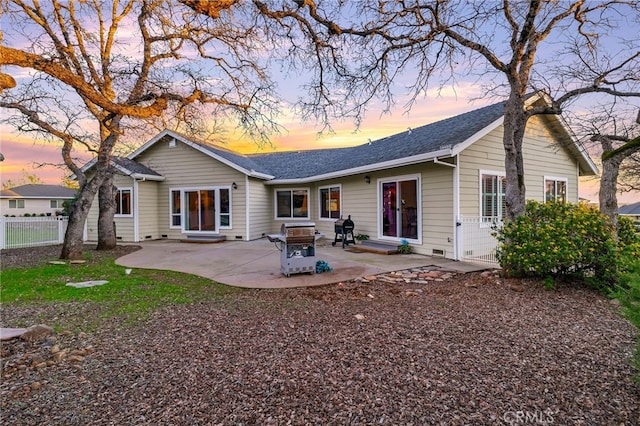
(344, 231)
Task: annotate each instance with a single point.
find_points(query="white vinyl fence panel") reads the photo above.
(478, 243)
(18, 232)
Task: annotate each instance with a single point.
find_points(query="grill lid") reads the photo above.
(298, 229)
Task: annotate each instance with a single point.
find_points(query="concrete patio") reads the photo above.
(256, 264)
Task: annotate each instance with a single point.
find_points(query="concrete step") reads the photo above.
(204, 239)
(373, 246)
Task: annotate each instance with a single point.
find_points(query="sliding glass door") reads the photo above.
(400, 213)
(201, 210)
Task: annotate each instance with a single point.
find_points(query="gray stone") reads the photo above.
(37, 332)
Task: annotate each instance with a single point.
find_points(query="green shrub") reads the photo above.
(628, 240)
(628, 293)
(559, 240)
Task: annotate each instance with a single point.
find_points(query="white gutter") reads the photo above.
(405, 161)
(436, 161)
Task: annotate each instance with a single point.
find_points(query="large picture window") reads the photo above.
(555, 189)
(330, 205)
(123, 202)
(292, 203)
(492, 196)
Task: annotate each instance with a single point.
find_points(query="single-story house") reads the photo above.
(632, 211)
(422, 185)
(34, 199)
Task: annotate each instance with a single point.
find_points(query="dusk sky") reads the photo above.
(23, 155)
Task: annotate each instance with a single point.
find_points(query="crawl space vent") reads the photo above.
(437, 252)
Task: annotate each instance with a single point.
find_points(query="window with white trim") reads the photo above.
(292, 204)
(492, 187)
(330, 202)
(176, 213)
(225, 208)
(57, 204)
(16, 204)
(555, 189)
(123, 202)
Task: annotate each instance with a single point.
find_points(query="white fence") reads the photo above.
(17, 232)
(478, 243)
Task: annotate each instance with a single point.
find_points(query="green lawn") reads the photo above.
(129, 297)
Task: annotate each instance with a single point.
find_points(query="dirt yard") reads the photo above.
(474, 349)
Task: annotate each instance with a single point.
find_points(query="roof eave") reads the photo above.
(586, 165)
(415, 159)
(251, 173)
(458, 148)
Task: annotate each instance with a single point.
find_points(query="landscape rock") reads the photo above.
(37, 332)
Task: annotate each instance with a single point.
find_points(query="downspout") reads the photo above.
(457, 221)
(246, 208)
(136, 227)
(456, 204)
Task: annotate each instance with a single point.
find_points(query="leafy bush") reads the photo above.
(628, 293)
(559, 240)
(628, 239)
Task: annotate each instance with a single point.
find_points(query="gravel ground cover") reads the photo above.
(472, 350)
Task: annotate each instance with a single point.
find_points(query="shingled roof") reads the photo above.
(441, 139)
(630, 209)
(432, 138)
(131, 167)
(38, 191)
(437, 138)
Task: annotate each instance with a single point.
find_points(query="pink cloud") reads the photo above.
(22, 154)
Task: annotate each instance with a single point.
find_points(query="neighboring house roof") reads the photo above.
(442, 139)
(630, 209)
(38, 191)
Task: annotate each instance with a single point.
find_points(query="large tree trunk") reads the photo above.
(73, 241)
(107, 207)
(609, 187)
(612, 158)
(515, 121)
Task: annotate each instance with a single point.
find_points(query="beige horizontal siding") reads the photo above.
(185, 167)
(260, 209)
(542, 157)
(147, 211)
